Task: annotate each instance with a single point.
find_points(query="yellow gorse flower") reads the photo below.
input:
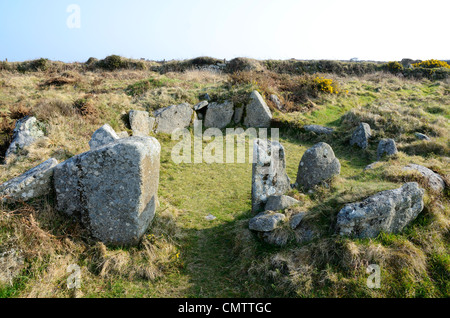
(326, 85)
(431, 64)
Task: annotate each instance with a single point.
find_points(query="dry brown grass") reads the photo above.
(66, 78)
(49, 243)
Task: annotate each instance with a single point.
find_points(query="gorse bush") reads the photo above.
(111, 63)
(394, 67)
(431, 64)
(34, 66)
(326, 85)
(116, 62)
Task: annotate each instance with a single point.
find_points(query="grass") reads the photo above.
(183, 254)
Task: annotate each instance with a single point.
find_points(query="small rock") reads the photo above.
(388, 211)
(434, 180)
(266, 221)
(219, 115)
(318, 164)
(274, 98)
(210, 217)
(371, 166)
(201, 105)
(103, 136)
(32, 184)
(296, 219)
(280, 202)
(319, 129)
(386, 147)
(361, 136)
(257, 112)
(422, 136)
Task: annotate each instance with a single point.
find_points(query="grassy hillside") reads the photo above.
(183, 254)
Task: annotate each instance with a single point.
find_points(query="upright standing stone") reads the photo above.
(141, 123)
(170, 118)
(257, 113)
(32, 184)
(27, 131)
(112, 189)
(103, 136)
(219, 115)
(386, 147)
(318, 164)
(269, 172)
(361, 136)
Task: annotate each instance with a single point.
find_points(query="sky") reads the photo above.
(262, 29)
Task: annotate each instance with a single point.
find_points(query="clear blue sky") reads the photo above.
(180, 29)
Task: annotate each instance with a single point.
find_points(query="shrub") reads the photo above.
(111, 63)
(326, 85)
(19, 112)
(431, 64)
(394, 67)
(240, 64)
(205, 60)
(5, 66)
(39, 65)
(33, 66)
(85, 107)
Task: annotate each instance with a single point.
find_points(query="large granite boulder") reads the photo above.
(112, 190)
(32, 184)
(257, 113)
(27, 131)
(141, 123)
(266, 221)
(103, 136)
(386, 147)
(318, 164)
(388, 211)
(434, 181)
(219, 115)
(361, 136)
(268, 172)
(170, 118)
